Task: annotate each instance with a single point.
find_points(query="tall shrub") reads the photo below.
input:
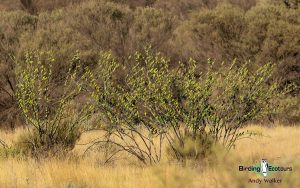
(156, 102)
(53, 118)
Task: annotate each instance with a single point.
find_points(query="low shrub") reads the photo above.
(32, 144)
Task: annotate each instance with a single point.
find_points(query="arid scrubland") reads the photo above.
(149, 93)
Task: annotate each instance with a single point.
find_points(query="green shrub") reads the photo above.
(156, 102)
(243, 96)
(53, 117)
(128, 110)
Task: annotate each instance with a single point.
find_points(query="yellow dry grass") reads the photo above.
(280, 145)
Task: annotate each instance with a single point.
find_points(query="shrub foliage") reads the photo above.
(157, 102)
(51, 114)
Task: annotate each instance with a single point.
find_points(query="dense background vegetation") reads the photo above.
(50, 67)
(258, 30)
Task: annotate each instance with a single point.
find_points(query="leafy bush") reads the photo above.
(52, 116)
(159, 103)
(220, 101)
(120, 117)
(242, 96)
